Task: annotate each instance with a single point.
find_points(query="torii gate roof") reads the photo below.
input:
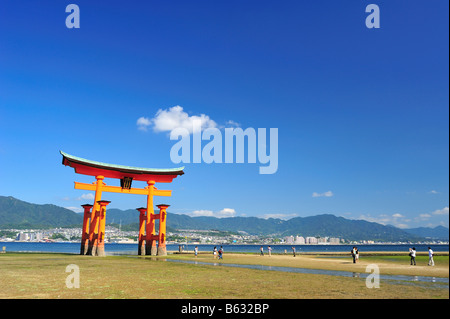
(93, 168)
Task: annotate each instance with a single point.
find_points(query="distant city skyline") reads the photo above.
(362, 114)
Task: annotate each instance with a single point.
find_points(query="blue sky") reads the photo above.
(362, 114)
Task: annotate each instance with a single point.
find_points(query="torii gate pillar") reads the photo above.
(141, 238)
(101, 227)
(162, 230)
(85, 230)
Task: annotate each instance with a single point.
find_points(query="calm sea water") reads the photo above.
(113, 249)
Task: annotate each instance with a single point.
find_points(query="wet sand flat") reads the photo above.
(389, 263)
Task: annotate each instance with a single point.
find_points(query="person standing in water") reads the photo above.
(354, 254)
(430, 257)
(412, 254)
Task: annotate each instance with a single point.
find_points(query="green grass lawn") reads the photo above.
(44, 276)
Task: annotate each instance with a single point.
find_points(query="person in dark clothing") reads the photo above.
(412, 254)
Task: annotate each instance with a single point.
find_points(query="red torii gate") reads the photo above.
(93, 232)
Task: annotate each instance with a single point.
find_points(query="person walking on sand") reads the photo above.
(196, 251)
(215, 252)
(430, 257)
(412, 254)
(353, 252)
(220, 252)
(270, 250)
(356, 254)
(293, 251)
(262, 251)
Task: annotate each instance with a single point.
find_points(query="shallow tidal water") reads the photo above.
(424, 281)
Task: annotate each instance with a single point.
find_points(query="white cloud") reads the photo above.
(232, 123)
(88, 196)
(173, 118)
(143, 123)
(326, 194)
(381, 219)
(202, 212)
(401, 221)
(75, 209)
(443, 211)
(226, 212)
(433, 192)
(398, 220)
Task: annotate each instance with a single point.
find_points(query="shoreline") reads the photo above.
(324, 250)
(233, 244)
(191, 252)
(320, 253)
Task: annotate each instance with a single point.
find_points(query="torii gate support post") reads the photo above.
(85, 231)
(141, 238)
(150, 245)
(101, 228)
(162, 230)
(93, 227)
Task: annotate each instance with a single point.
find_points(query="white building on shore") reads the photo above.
(289, 240)
(311, 240)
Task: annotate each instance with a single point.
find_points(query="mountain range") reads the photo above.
(438, 232)
(15, 213)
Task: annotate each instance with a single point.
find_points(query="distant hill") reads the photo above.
(124, 217)
(439, 232)
(330, 225)
(319, 225)
(15, 213)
